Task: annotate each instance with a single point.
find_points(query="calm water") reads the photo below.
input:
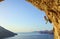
(31, 36)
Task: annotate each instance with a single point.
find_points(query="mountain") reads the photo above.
(45, 32)
(4, 33)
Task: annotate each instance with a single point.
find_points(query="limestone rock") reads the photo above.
(1, 0)
(52, 10)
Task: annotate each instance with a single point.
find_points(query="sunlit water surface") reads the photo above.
(31, 35)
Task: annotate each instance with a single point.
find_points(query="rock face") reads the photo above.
(1, 0)
(4, 33)
(52, 10)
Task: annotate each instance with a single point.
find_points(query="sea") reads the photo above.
(31, 35)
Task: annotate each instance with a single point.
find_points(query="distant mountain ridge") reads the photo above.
(45, 32)
(5, 33)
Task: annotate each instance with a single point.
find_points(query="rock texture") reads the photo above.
(52, 10)
(4, 33)
(1, 0)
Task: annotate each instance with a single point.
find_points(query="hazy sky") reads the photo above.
(21, 16)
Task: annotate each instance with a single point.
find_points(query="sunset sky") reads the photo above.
(21, 16)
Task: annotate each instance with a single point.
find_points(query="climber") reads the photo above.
(47, 19)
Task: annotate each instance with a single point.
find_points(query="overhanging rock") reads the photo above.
(52, 10)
